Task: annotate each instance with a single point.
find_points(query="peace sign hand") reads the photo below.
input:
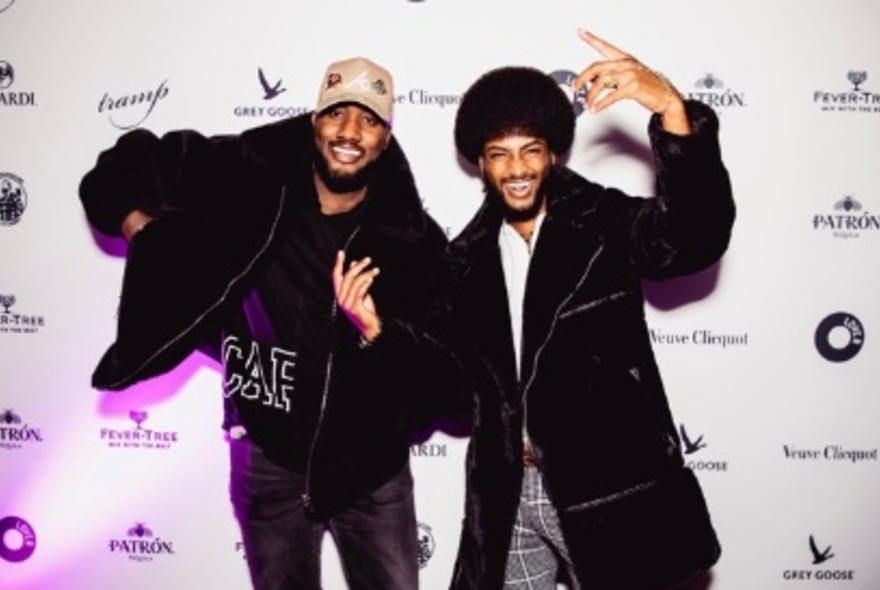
(620, 76)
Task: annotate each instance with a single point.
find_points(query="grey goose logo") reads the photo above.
(691, 446)
(839, 337)
(270, 91)
(819, 556)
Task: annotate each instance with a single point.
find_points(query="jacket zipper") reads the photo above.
(613, 497)
(308, 503)
(541, 348)
(271, 236)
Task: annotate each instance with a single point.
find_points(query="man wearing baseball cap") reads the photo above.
(266, 248)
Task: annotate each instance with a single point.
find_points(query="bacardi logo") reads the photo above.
(9, 97)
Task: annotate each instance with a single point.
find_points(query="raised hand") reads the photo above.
(621, 76)
(352, 287)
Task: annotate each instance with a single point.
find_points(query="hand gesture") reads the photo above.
(352, 289)
(620, 76)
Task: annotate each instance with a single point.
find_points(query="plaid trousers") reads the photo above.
(537, 550)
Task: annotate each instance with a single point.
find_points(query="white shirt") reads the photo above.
(516, 254)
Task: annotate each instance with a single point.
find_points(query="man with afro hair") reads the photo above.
(575, 470)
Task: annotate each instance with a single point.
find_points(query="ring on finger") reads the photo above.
(608, 81)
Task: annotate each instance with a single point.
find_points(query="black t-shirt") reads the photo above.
(277, 343)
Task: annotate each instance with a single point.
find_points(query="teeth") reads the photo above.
(346, 154)
(519, 187)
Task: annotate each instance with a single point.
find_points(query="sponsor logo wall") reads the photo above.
(767, 357)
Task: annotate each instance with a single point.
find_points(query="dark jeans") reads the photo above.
(376, 538)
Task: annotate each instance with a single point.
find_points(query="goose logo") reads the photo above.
(270, 91)
(17, 539)
(565, 79)
(819, 556)
(839, 337)
(691, 446)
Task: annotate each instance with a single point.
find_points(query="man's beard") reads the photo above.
(341, 183)
(511, 214)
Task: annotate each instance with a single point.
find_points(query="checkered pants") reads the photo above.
(536, 550)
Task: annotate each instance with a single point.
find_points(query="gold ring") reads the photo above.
(608, 81)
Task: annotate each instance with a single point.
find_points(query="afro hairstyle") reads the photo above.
(513, 100)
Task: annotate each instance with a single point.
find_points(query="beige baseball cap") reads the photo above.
(360, 81)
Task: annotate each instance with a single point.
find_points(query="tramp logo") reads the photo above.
(14, 433)
(13, 198)
(270, 89)
(139, 437)
(847, 219)
(854, 100)
(426, 544)
(13, 99)
(18, 541)
(820, 553)
(129, 111)
(839, 337)
(712, 90)
(140, 544)
(17, 323)
(691, 445)
(565, 79)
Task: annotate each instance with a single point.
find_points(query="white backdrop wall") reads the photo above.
(129, 490)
